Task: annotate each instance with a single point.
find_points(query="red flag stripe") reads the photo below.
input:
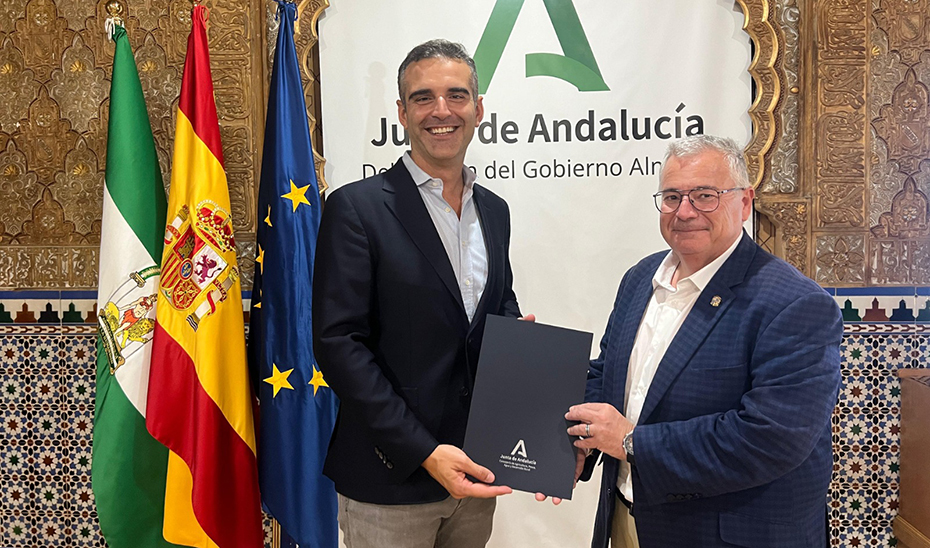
(197, 102)
(180, 412)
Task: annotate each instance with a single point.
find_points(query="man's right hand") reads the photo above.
(449, 465)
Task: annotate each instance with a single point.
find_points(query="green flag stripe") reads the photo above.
(133, 176)
(128, 468)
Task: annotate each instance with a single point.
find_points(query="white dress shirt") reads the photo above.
(462, 237)
(667, 309)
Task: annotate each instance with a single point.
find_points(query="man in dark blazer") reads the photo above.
(717, 376)
(408, 265)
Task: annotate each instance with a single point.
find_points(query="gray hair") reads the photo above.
(697, 144)
(437, 49)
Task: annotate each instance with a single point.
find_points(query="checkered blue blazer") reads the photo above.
(733, 447)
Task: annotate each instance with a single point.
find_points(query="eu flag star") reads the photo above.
(260, 259)
(268, 217)
(278, 379)
(297, 195)
(317, 380)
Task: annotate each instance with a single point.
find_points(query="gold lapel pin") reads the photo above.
(715, 301)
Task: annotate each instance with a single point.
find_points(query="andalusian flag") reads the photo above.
(200, 403)
(129, 466)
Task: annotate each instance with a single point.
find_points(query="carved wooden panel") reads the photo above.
(55, 64)
(839, 139)
(784, 175)
(899, 113)
(841, 126)
(863, 146)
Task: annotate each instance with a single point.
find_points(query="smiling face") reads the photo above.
(697, 238)
(439, 112)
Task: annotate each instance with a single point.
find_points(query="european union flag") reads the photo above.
(297, 408)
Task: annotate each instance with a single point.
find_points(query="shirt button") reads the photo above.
(448, 209)
(435, 184)
(467, 281)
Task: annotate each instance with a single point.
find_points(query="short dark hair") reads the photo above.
(438, 49)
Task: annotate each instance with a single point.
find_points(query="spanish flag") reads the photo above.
(199, 398)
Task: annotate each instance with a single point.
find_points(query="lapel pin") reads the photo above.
(715, 301)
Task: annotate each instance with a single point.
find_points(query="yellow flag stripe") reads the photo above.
(217, 347)
(181, 526)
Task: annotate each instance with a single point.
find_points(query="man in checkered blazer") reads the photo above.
(711, 398)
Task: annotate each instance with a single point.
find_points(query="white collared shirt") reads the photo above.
(462, 238)
(667, 309)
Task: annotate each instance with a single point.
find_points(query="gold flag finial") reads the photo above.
(115, 9)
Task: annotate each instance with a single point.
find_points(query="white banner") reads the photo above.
(581, 99)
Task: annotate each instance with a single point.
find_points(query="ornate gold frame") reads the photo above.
(765, 71)
(782, 221)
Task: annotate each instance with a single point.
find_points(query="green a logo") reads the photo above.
(577, 66)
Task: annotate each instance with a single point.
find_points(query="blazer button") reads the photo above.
(390, 465)
(464, 391)
(670, 498)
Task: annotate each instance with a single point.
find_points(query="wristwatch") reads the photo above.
(628, 446)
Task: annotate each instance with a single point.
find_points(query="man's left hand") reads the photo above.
(601, 426)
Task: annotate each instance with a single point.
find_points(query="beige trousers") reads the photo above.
(448, 523)
(623, 529)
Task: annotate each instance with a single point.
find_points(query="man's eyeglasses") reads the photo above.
(705, 200)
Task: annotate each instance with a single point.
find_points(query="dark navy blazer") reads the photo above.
(392, 336)
(733, 447)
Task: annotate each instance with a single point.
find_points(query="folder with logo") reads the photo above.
(529, 374)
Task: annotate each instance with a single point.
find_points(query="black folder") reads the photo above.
(529, 374)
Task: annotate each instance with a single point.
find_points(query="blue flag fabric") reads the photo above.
(297, 408)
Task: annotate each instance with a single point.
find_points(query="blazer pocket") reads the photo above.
(725, 371)
(755, 532)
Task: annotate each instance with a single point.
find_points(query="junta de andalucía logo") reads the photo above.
(576, 65)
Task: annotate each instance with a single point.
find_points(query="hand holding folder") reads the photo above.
(529, 374)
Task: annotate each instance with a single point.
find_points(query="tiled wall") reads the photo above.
(47, 373)
(47, 370)
(886, 329)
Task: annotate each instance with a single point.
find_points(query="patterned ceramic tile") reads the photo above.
(861, 534)
(878, 305)
(47, 374)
